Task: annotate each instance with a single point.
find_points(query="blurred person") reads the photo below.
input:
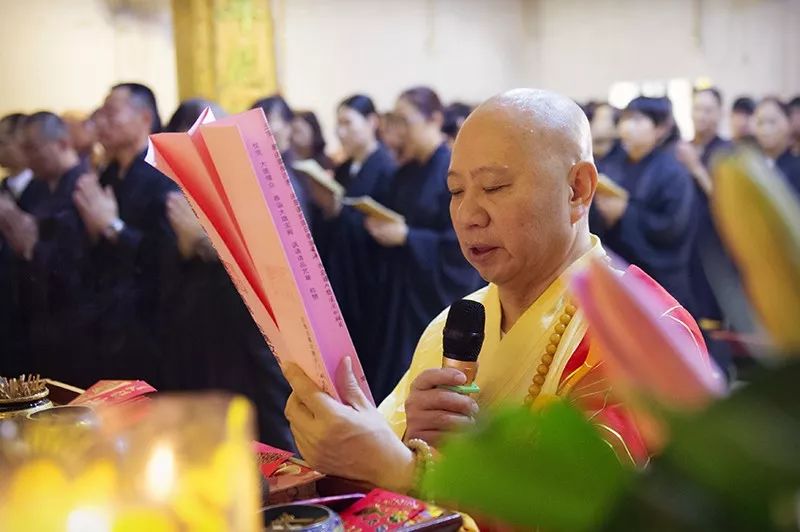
(188, 112)
(707, 249)
(348, 251)
(794, 118)
(454, 116)
(653, 226)
(741, 120)
(697, 154)
(773, 134)
(521, 219)
(589, 107)
(308, 141)
(134, 258)
(83, 132)
(421, 268)
(53, 249)
(673, 136)
(392, 133)
(19, 186)
(605, 135)
(279, 117)
(18, 181)
(211, 340)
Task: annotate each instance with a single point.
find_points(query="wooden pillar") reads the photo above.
(225, 51)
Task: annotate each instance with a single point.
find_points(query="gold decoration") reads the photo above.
(225, 51)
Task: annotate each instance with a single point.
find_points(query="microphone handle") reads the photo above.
(470, 369)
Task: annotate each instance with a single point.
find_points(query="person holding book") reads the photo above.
(307, 139)
(653, 226)
(348, 252)
(421, 268)
(522, 221)
(707, 249)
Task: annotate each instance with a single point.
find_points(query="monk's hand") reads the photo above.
(350, 440)
(611, 207)
(432, 411)
(387, 234)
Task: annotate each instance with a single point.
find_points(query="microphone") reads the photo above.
(462, 339)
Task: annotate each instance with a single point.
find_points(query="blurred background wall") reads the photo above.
(66, 53)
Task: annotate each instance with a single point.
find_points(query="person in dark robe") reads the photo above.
(392, 132)
(210, 338)
(83, 132)
(19, 187)
(421, 267)
(134, 256)
(794, 119)
(348, 251)
(774, 137)
(279, 117)
(697, 156)
(308, 142)
(19, 182)
(53, 251)
(188, 112)
(604, 121)
(653, 226)
(454, 116)
(741, 120)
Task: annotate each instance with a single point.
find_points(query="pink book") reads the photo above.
(234, 178)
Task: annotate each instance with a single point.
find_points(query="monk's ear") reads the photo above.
(582, 184)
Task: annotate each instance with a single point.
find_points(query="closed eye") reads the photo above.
(494, 189)
(456, 192)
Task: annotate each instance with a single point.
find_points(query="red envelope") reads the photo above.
(381, 510)
(110, 392)
(269, 458)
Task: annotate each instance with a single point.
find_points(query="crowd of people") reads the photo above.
(106, 273)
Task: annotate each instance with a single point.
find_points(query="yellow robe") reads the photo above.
(506, 364)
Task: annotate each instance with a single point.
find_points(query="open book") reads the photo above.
(606, 185)
(373, 209)
(319, 175)
(233, 177)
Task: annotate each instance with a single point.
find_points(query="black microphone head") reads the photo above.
(463, 331)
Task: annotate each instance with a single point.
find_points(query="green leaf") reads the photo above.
(549, 469)
(733, 467)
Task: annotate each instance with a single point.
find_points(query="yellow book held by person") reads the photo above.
(319, 175)
(373, 209)
(605, 185)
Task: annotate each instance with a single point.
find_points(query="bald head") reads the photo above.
(544, 120)
(522, 179)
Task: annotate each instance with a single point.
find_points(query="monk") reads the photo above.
(522, 180)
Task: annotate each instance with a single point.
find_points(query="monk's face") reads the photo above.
(510, 201)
